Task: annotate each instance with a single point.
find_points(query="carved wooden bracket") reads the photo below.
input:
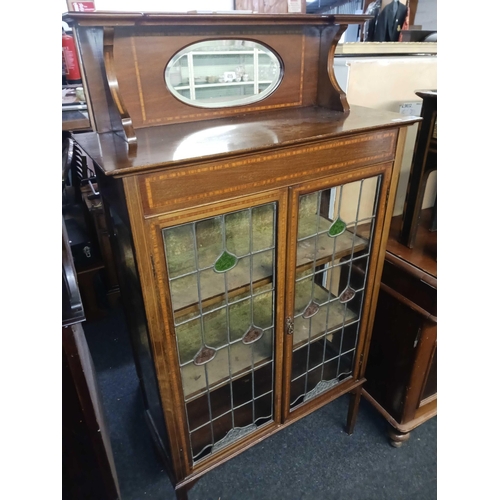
(109, 64)
(330, 95)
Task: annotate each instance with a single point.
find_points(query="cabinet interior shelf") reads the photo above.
(193, 376)
(221, 84)
(309, 329)
(227, 52)
(310, 252)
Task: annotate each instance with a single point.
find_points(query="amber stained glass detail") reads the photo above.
(204, 355)
(310, 310)
(252, 335)
(347, 295)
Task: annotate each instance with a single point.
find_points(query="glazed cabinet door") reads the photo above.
(218, 278)
(335, 227)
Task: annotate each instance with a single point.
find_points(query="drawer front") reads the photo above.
(182, 188)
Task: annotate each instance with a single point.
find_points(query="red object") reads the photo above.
(83, 6)
(70, 59)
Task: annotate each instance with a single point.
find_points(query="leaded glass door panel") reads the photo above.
(222, 277)
(333, 241)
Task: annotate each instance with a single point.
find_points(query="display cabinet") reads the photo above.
(249, 231)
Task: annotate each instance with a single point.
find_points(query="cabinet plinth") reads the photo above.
(249, 240)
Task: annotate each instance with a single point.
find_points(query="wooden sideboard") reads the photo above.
(88, 468)
(402, 365)
(237, 219)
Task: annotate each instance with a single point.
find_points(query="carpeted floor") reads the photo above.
(313, 459)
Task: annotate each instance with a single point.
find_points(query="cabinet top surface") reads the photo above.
(176, 145)
(104, 18)
(421, 260)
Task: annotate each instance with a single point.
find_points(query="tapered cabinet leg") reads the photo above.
(397, 438)
(181, 493)
(353, 410)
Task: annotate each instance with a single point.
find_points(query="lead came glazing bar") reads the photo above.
(328, 309)
(251, 311)
(203, 340)
(220, 308)
(318, 210)
(348, 280)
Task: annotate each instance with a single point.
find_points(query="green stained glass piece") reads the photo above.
(338, 227)
(225, 262)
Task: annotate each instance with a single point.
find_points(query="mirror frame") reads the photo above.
(245, 100)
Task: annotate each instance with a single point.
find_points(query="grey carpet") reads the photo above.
(313, 459)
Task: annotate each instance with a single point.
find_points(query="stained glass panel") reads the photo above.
(222, 286)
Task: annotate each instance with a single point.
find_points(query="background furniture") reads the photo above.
(87, 233)
(424, 162)
(237, 229)
(88, 469)
(402, 364)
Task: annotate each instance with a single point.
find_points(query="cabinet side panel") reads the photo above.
(121, 238)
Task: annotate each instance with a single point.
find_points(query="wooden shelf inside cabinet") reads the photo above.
(327, 247)
(325, 320)
(186, 299)
(238, 224)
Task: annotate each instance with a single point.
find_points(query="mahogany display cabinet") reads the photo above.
(240, 189)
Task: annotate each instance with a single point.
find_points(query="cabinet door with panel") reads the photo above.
(224, 294)
(333, 229)
(220, 299)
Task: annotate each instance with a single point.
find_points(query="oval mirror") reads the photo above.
(223, 73)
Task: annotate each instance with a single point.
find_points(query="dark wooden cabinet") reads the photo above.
(402, 365)
(423, 163)
(88, 469)
(248, 221)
